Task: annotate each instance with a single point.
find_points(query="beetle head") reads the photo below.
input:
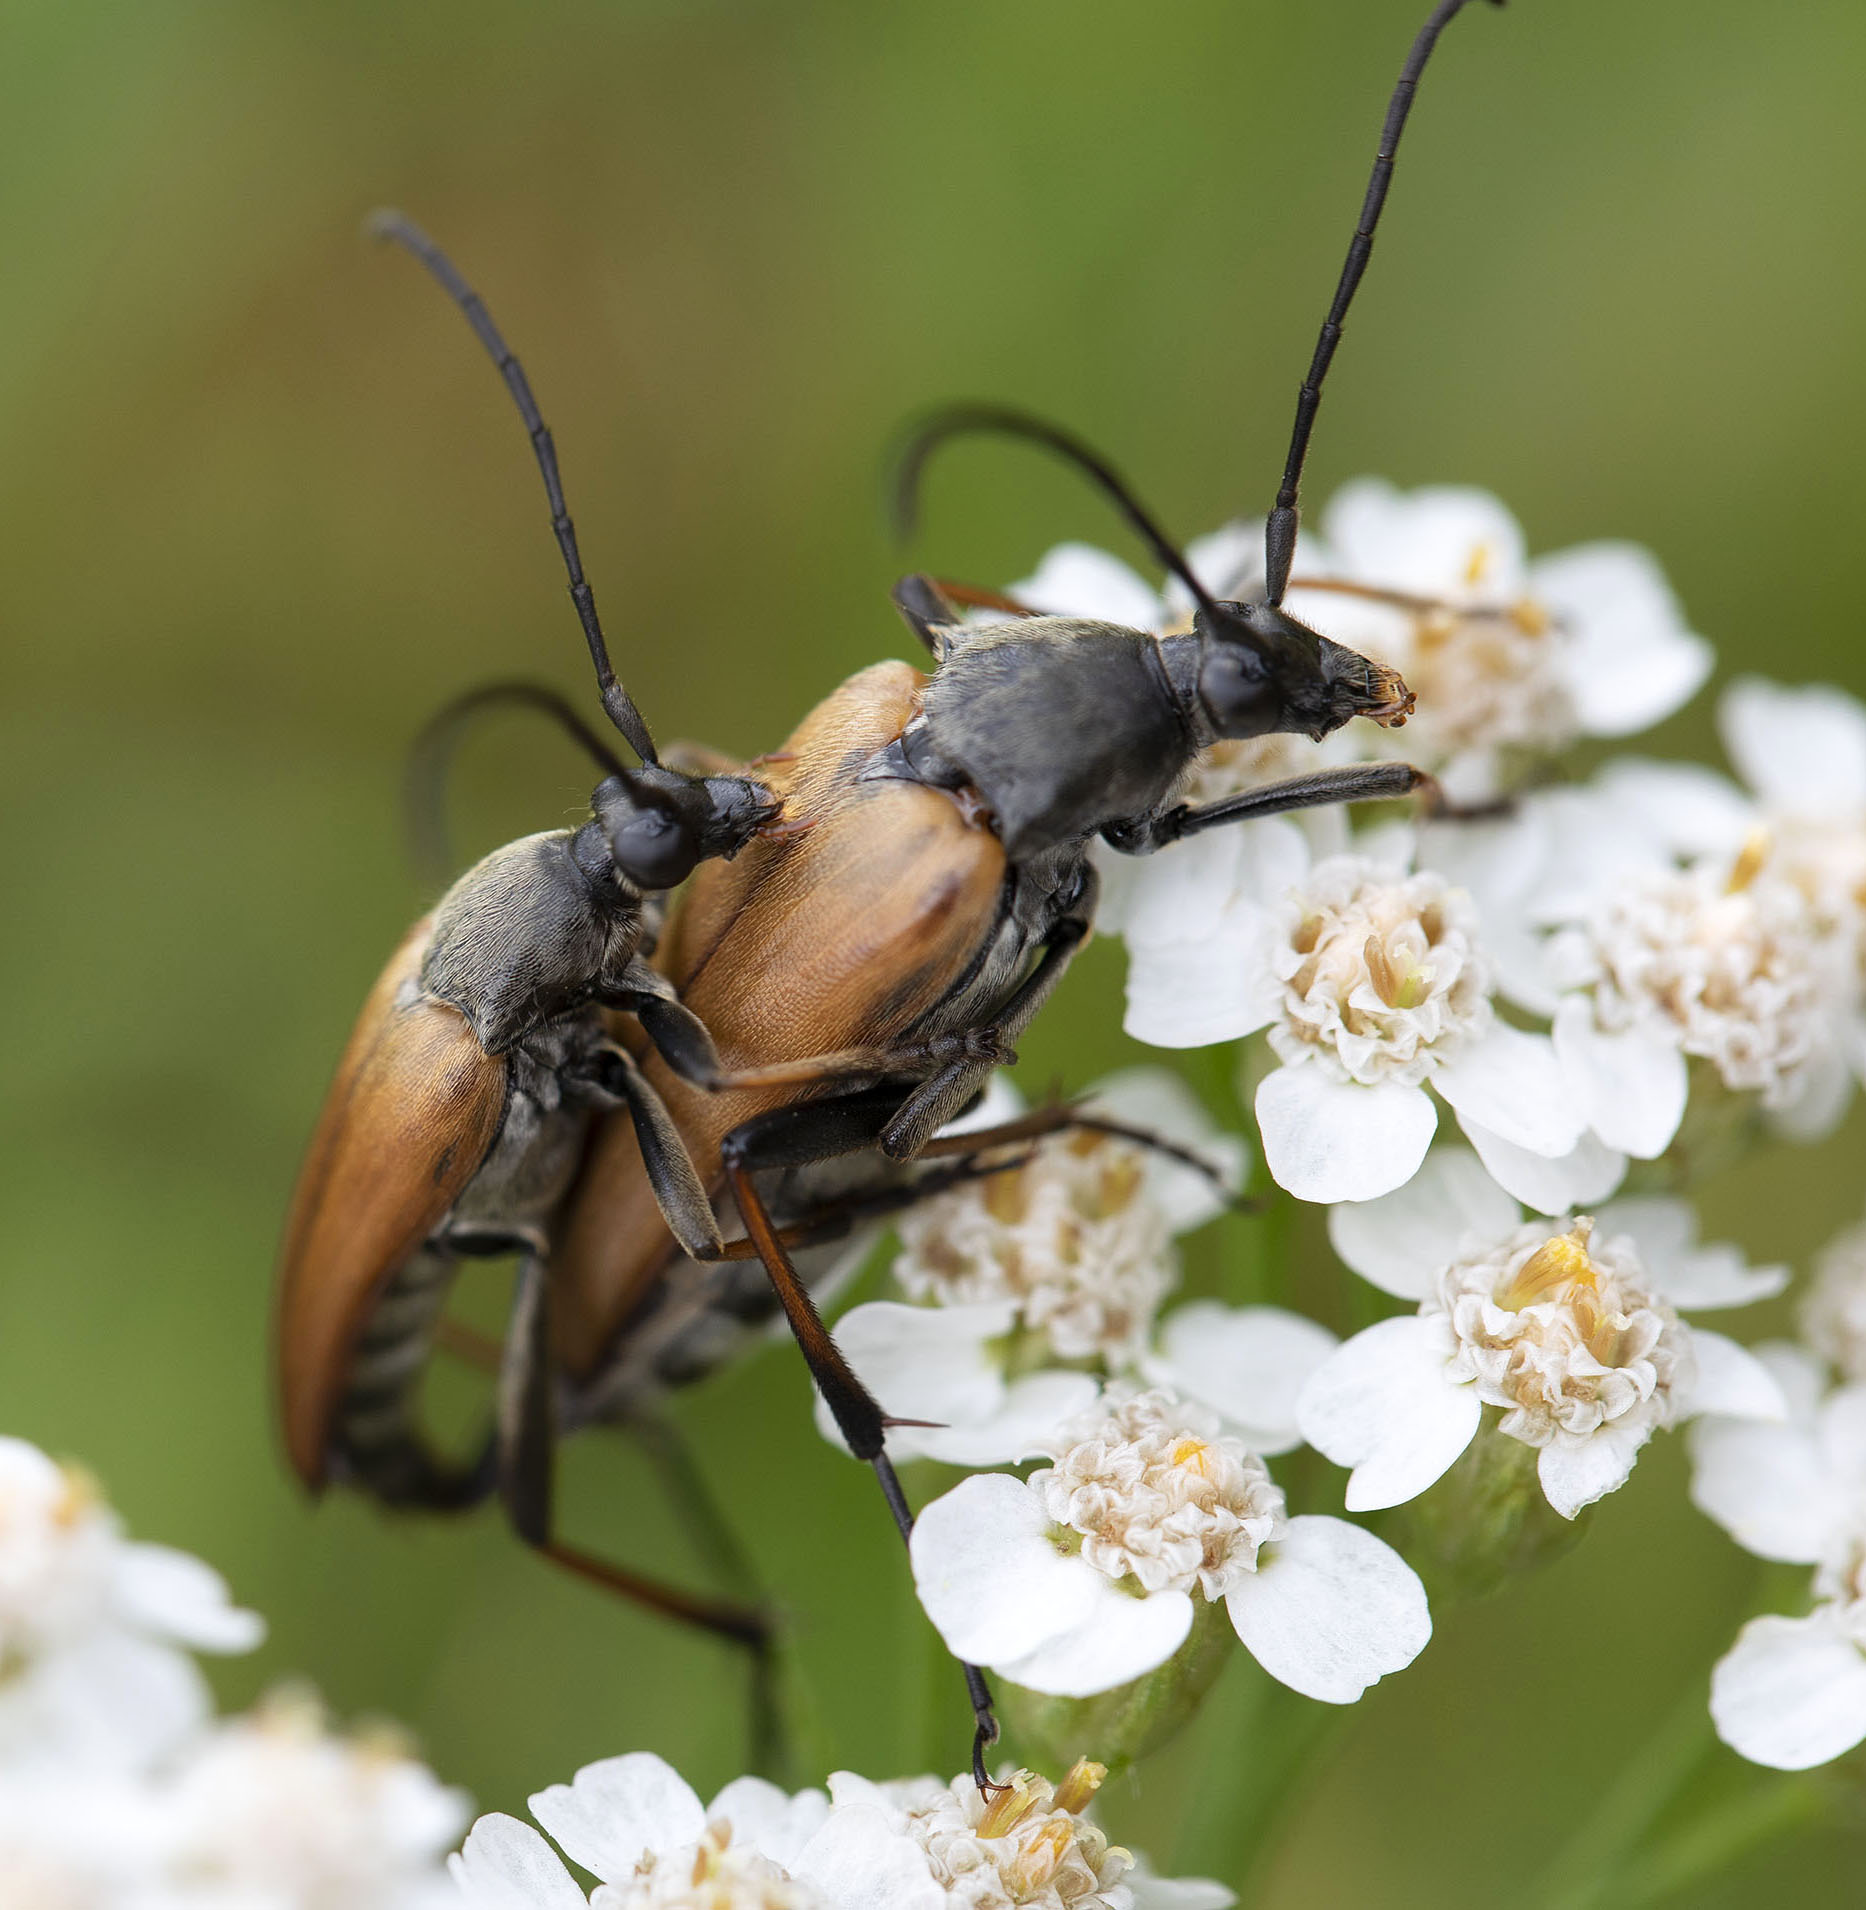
(660, 824)
(1260, 670)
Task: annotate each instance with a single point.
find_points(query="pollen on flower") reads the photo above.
(1026, 1844)
(1074, 1237)
(1833, 1315)
(1560, 1330)
(1382, 977)
(713, 1874)
(1734, 966)
(1160, 1496)
(1487, 675)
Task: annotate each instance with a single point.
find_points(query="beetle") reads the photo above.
(464, 1098)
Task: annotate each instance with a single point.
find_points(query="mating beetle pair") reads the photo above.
(867, 925)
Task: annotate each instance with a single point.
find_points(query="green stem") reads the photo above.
(1628, 1807)
(1268, 1747)
(1716, 1839)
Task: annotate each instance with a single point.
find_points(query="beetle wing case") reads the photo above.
(414, 1108)
(840, 935)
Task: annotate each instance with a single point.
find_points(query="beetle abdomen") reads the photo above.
(376, 1441)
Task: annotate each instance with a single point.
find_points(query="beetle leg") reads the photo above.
(1352, 782)
(686, 1046)
(942, 1096)
(527, 1465)
(857, 1414)
(678, 1189)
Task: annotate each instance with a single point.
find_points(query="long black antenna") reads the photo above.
(431, 755)
(1004, 421)
(402, 231)
(1279, 543)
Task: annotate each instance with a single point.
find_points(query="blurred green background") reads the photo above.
(265, 507)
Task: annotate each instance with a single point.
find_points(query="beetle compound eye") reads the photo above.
(653, 849)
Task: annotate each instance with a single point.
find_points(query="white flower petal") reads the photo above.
(1246, 1363)
(1402, 1240)
(1579, 1179)
(1630, 659)
(1175, 1893)
(1821, 1090)
(1384, 1405)
(924, 1363)
(1078, 580)
(1689, 809)
(1664, 1231)
(1630, 1085)
(1441, 540)
(859, 1860)
(1768, 1487)
(1026, 1420)
(1732, 1381)
(991, 1581)
(113, 1700)
(771, 1821)
(1575, 1475)
(1841, 1428)
(1226, 561)
(1790, 1693)
(1803, 749)
(1802, 1378)
(1714, 1276)
(506, 1865)
(1159, 1102)
(1328, 1140)
(1120, 1639)
(1330, 1610)
(1194, 992)
(1510, 1082)
(614, 1810)
(175, 1595)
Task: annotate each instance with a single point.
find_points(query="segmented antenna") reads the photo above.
(431, 755)
(401, 230)
(1280, 532)
(1002, 420)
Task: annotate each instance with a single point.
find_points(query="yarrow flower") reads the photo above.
(1719, 962)
(1084, 1577)
(1833, 1310)
(93, 1625)
(1653, 915)
(1791, 1692)
(1374, 984)
(1567, 1329)
(117, 1793)
(1029, 1281)
(912, 1845)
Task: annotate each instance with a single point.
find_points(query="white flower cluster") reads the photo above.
(1791, 1692)
(1654, 917)
(118, 1789)
(913, 1845)
(1647, 965)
